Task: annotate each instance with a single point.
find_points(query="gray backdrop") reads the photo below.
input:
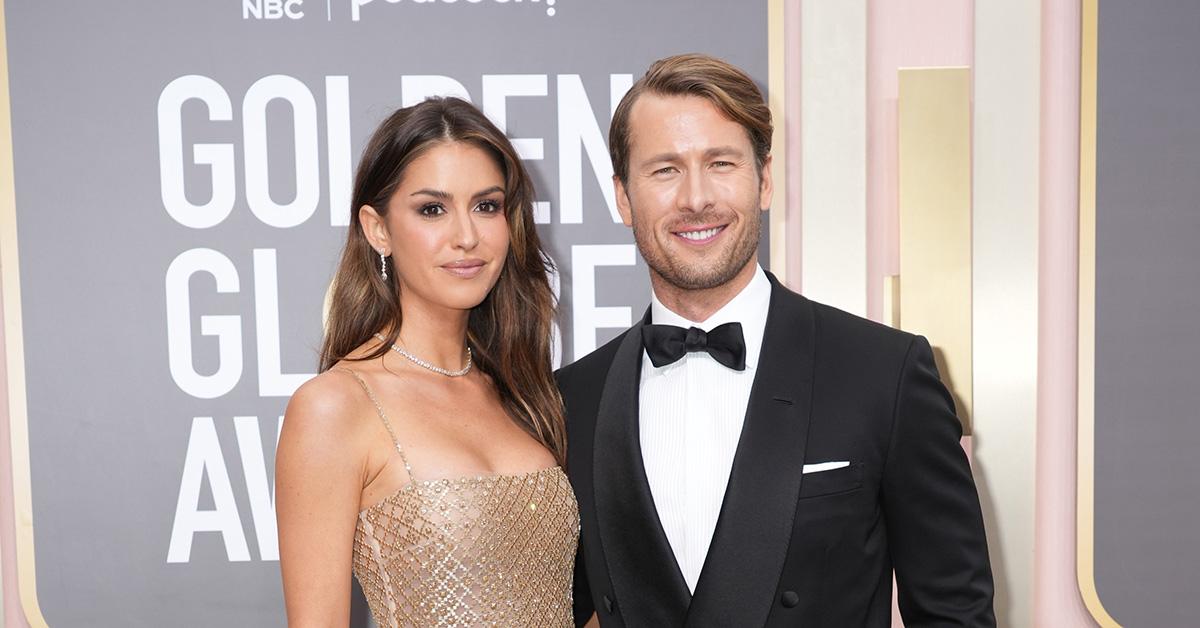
(1147, 480)
(174, 166)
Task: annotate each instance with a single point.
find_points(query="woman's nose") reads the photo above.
(467, 234)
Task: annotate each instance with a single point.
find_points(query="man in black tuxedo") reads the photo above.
(743, 456)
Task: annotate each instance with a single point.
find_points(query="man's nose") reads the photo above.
(695, 193)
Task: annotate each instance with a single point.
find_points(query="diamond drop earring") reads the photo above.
(383, 266)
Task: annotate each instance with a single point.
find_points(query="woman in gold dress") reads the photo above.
(426, 457)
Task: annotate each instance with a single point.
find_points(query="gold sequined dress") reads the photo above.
(479, 551)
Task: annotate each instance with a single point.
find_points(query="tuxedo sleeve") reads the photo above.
(584, 607)
(931, 508)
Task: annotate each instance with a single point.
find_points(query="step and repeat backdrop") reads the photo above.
(1140, 270)
(182, 181)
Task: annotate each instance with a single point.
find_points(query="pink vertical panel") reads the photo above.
(900, 33)
(1056, 599)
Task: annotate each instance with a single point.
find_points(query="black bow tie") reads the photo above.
(667, 343)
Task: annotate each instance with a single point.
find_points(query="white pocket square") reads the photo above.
(825, 466)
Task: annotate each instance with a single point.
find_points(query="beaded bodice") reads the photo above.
(480, 551)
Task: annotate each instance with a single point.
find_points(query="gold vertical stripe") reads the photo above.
(891, 301)
(1086, 447)
(935, 220)
(14, 342)
(776, 76)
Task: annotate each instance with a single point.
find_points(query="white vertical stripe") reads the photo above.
(833, 87)
(337, 137)
(1005, 280)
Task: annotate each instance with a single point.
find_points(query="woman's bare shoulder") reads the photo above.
(330, 404)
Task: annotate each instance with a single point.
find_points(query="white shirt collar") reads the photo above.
(749, 308)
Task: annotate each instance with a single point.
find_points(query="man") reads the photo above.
(744, 456)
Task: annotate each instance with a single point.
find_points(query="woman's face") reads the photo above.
(445, 227)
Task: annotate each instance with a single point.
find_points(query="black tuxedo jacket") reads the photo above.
(789, 549)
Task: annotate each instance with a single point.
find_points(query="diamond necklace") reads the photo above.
(422, 363)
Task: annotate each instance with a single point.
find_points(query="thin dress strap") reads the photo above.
(388, 424)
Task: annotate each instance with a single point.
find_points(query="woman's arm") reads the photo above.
(319, 471)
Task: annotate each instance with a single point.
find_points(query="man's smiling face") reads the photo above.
(694, 193)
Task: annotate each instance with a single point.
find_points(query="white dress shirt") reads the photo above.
(690, 419)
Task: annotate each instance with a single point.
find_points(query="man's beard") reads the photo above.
(716, 273)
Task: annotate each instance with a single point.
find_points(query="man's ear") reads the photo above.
(765, 188)
(623, 207)
(375, 229)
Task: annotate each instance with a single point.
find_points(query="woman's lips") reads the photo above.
(466, 268)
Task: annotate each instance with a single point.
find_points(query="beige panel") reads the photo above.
(891, 301)
(776, 75)
(935, 220)
(793, 150)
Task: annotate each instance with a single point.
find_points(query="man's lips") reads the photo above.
(464, 267)
(699, 234)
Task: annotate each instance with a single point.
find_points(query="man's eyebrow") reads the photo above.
(716, 151)
(660, 157)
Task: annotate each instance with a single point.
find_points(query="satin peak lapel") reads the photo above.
(648, 586)
(741, 572)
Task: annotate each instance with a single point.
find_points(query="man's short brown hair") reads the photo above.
(729, 89)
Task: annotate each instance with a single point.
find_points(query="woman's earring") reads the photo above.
(382, 266)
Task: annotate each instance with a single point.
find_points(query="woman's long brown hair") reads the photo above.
(509, 332)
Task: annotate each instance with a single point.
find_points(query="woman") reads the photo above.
(425, 456)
